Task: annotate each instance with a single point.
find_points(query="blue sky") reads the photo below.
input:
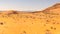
(26, 5)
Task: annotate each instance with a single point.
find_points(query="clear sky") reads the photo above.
(26, 5)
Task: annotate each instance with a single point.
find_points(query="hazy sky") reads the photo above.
(26, 4)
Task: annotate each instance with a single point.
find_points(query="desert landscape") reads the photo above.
(39, 22)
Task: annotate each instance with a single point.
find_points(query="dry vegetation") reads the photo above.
(40, 22)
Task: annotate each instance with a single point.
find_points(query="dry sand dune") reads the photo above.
(39, 22)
